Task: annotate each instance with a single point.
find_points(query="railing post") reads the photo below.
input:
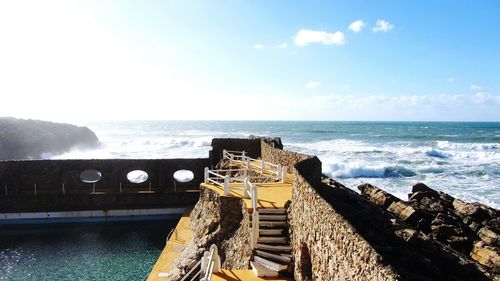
(283, 174)
(226, 185)
(248, 162)
(246, 188)
(279, 173)
(255, 228)
(215, 258)
(35, 188)
(254, 197)
(263, 166)
(206, 175)
(224, 154)
(243, 155)
(204, 263)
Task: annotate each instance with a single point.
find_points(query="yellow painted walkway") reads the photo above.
(270, 195)
(180, 237)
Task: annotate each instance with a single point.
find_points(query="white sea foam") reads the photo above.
(470, 171)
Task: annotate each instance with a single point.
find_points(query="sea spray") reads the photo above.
(462, 159)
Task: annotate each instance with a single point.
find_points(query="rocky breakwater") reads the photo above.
(218, 220)
(34, 139)
(472, 230)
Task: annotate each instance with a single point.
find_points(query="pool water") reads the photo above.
(83, 251)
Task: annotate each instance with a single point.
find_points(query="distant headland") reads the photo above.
(32, 139)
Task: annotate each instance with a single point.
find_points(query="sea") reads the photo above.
(462, 159)
(459, 158)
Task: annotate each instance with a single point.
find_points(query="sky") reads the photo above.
(250, 60)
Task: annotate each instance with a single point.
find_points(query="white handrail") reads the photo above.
(210, 262)
(249, 189)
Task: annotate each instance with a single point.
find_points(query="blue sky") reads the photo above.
(250, 60)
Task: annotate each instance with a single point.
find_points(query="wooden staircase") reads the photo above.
(272, 253)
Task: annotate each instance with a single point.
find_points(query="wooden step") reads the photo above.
(274, 248)
(262, 271)
(272, 231)
(276, 266)
(272, 211)
(272, 218)
(275, 257)
(273, 240)
(272, 223)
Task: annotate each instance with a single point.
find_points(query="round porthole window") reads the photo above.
(137, 176)
(183, 176)
(90, 176)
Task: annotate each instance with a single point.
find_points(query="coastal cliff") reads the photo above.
(32, 139)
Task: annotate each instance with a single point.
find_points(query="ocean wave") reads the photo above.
(356, 170)
(432, 170)
(467, 146)
(437, 153)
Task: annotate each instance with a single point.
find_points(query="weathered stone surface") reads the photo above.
(476, 211)
(222, 221)
(404, 211)
(486, 255)
(377, 196)
(488, 236)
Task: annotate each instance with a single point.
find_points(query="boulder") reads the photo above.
(486, 255)
(405, 212)
(488, 236)
(476, 211)
(377, 195)
(421, 187)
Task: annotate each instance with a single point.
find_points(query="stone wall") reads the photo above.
(336, 234)
(20, 177)
(282, 157)
(250, 146)
(218, 220)
(107, 201)
(326, 246)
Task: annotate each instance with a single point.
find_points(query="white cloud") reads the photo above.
(306, 36)
(258, 46)
(282, 46)
(356, 26)
(382, 25)
(313, 85)
(475, 87)
(450, 79)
